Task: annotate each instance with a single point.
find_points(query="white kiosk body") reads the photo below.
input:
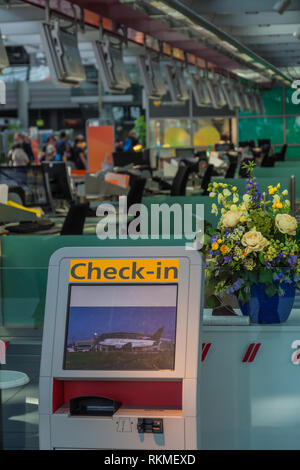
(122, 323)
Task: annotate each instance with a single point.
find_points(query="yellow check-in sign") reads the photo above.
(124, 270)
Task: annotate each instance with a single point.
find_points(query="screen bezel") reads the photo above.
(115, 285)
(61, 301)
(47, 204)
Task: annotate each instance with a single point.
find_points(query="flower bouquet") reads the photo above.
(253, 254)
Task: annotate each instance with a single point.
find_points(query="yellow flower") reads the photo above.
(231, 218)
(215, 185)
(278, 186)
(212, 194)
(285, 192)
(220, 240)
(286, 224)
(279, 205)
(254, 241)
(224, 249)
(234, 189)
(272, 190)
(215, 246)
(243, 219)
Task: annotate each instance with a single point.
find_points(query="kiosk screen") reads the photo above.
(121, 327)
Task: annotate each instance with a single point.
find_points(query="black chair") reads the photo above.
(231, 170)
(267, 160)
(206, 179)
(74, 222)
(19, 191)
(136, 192)
(178, 187)
(262, 142)
(280, 156)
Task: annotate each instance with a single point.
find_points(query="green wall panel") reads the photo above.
(262, 128)
(290, 107)
(293, 153)
(293, 130)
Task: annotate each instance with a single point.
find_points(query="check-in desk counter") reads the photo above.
(250, 385)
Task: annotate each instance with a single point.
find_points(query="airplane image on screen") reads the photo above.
(129, 341)
(122, 341)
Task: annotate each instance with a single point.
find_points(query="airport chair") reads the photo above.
(206, 179)
(280, 156)
(74, 222)
(136, 192)
(231, 170)
(179, 184)
(262, 142)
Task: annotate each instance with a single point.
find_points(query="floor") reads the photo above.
(20, 405)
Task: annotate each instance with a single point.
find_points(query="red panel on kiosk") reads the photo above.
(129, 393)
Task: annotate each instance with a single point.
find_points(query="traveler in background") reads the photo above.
(24, 141)
(79, 153)
(17, 156)
(130, 142)
(50, 148)
(68, 155)
(61, 144)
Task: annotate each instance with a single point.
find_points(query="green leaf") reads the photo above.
(265, 276)
(261, 258)
(212, 301)
(271, 290)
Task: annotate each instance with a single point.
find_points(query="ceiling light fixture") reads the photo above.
(281, 6)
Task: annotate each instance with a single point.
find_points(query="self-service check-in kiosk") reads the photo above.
(120, 357)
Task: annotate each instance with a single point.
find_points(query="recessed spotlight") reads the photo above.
(281, 6)
(296, 33)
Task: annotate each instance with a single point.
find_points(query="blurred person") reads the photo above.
(61, 144)
(79, 154)
(49, 148)
(17, 156)
(68, 155)
(130, 142)
(24, 141)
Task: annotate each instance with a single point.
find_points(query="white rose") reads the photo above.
(231, 218)
(254, 241)
(246, 198)
(286, 224)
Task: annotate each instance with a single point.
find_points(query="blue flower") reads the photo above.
(214, 238)
(292, 260)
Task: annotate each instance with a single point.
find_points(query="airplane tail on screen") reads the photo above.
(157, 334)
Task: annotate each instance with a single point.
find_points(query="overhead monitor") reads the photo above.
(62, 54)
(176, 83)
(59, 180)
(111, 66)
(228, 95)
(113, 327)
(201, 98)
(31, 180)
(239, 97)
(4, 62)
(151, 77)
(215, 93)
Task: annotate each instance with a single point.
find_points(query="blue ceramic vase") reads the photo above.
(263, 309)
